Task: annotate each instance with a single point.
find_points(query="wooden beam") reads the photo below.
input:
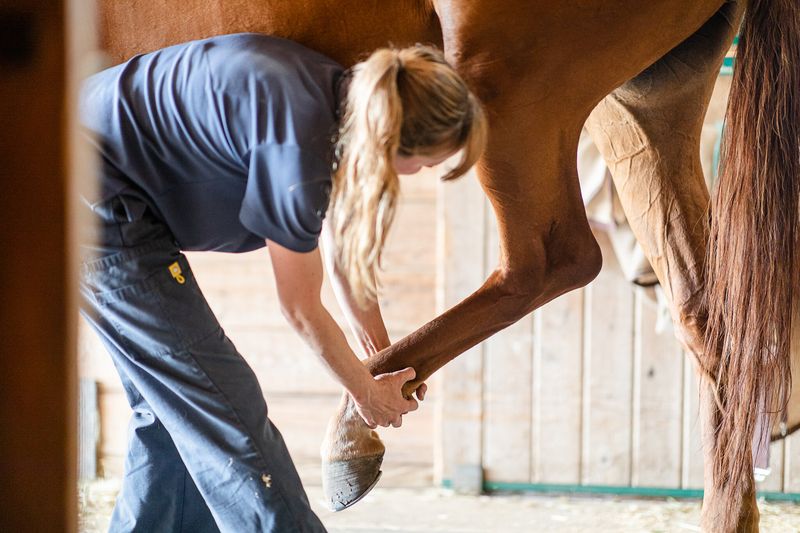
(36, 413)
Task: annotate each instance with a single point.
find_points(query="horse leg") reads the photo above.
(648, 130)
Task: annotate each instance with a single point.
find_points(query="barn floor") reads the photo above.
(437, 510)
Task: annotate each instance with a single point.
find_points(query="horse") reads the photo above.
(639, 75)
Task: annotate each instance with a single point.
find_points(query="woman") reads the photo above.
(228, 144)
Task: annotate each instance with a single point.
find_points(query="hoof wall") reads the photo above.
(346, 482)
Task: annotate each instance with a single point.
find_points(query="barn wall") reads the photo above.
(585, 391)
(300, 395)
(592, 389)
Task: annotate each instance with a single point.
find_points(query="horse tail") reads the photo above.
(752, 266)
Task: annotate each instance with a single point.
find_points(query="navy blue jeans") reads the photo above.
(202, 453)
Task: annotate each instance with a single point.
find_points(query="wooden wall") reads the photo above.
(584, 391)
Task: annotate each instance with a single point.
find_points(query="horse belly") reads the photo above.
(344, 30)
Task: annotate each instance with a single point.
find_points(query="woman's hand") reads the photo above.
(381, 402)
(298, 276)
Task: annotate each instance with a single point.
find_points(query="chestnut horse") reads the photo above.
(541, 68)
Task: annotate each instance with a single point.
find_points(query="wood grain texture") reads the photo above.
(608, 350)
(88, 429)
(657, 380)
(558, 394)
(461, 256)
(692, 449)
(774, 481)
(507, 384)
(791, 464)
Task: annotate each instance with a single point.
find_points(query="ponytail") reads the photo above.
(407, 101)
(366, 186)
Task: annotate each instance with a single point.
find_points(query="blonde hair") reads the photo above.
(408, 102)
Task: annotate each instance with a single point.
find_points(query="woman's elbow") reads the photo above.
(298, 314)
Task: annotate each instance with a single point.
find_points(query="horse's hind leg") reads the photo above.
(649, 133)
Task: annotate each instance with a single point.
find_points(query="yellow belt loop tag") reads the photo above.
(177, 273)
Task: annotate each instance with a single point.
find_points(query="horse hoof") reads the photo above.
(346, 482)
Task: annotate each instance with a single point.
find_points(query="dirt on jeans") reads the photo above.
(437, 510)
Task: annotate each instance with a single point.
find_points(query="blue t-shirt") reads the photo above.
(227, 140)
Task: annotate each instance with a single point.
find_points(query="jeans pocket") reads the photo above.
(183, 304)
(153, 302)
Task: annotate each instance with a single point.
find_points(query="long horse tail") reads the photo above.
(752, 265)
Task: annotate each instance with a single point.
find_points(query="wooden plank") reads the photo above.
(557, 378)
(657, 399)
(282, 361)
(37, 360)
(608, 350)
(407, 300)
(461, 259)
(408, 294)
(279, 357)
(111, 466)
(407, 307)
(774, 481)
(248, 273)
(411, 246)
(88, 429)
(93, 359)
(692, 449)
(421, 186)
(791, 463)
(114, 416)
(791, 451)
(507, 397)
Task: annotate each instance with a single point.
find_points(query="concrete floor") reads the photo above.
(417, 510)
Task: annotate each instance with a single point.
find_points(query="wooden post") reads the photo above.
(463, 268)
(88, 429)
(36, 363)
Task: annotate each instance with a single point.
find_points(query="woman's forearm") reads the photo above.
(321, 333)
(379, 400)
(298, 277)
(366, 323)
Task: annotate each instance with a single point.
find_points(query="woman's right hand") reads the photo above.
(381, 403)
